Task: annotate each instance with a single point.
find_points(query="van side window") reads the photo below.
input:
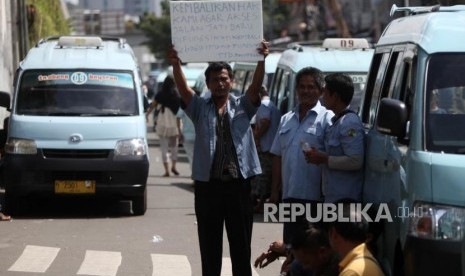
(239, 79)
(390, 78)
(407, 88)
(283, 93)
(248, 80)
(374, 85)
(275, 86)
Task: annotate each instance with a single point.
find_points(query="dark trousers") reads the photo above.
(217, 204)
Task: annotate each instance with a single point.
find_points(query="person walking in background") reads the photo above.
(225, 159)
(168, 125)
(266, 125)
(344, 143)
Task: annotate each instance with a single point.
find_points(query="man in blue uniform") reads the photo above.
(305, 124)
(344, 143)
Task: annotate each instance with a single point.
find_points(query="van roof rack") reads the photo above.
(121, 41)
(413, 10)
(299, 44)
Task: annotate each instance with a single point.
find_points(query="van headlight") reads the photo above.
(20, 146)
(131, 147)
(438, 222)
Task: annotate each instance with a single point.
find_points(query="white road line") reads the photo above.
(226, 268)
(35, 259)
(100, 263)
(164, 264)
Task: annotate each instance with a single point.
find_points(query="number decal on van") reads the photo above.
(79, 78)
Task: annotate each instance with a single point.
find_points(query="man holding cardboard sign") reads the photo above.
(225, 159)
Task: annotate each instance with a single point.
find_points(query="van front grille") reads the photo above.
(78, 154)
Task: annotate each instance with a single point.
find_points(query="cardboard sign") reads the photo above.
(205, 31)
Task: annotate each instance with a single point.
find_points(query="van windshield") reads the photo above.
(445, 113)
(77, 93)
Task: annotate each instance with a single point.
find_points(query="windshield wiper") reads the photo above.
(64, 114)
(108, 114)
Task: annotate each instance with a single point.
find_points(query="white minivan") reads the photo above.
(335, 55)
(77, 124)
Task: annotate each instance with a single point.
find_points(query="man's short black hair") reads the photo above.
(342, 85)
(313, 238)
(217, 67)
(313, 72)
(356, 229)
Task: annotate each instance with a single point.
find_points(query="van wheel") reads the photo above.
(139, 204)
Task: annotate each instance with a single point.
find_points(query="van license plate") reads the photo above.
(75, 186)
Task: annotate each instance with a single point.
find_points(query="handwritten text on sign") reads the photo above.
(217, 30)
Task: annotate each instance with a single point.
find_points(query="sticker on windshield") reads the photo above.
(53, 77)
(96, 77)
(79, 78)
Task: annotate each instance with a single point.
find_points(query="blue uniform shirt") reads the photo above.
(203, 115)
(301, 180)
(268, 110)
(344, 137)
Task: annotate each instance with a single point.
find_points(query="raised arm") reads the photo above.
(184, 89)
(253, 92)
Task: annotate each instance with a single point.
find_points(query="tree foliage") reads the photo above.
(157, 30)
(45, 18)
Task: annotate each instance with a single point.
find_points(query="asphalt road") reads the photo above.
(87, 237)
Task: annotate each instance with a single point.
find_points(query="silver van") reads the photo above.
(77, 126)
(335, 55)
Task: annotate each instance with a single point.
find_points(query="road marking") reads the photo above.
(106, 263)
(100, 263)
(226, 268)
(164, 264)
(35, 259)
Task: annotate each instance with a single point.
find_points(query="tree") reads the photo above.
(157, 30)
(45, 18)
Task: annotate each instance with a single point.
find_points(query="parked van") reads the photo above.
(77, 125)
(352, 56)
(414, 115)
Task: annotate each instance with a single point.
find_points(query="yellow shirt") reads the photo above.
(359, 262)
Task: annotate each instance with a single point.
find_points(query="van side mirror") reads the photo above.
(5, 100)
(392, 118)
